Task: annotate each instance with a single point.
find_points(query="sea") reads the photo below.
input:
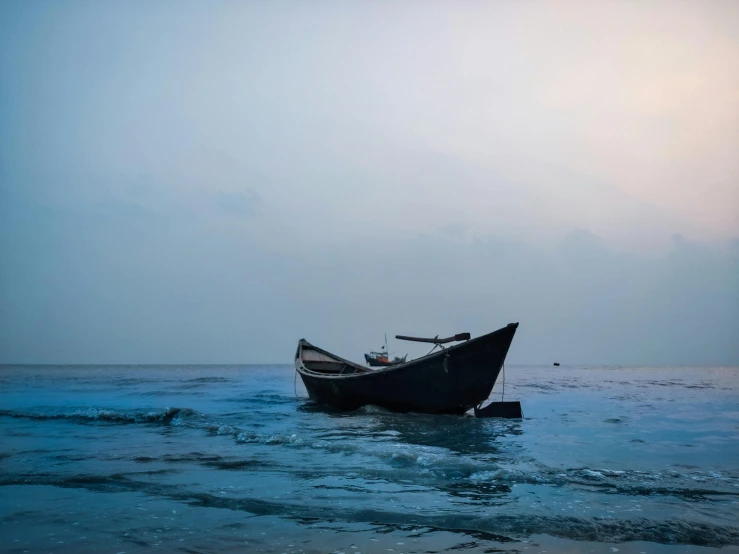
(124, 459)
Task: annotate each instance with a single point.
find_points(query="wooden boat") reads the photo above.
(382, 358)
(448, 381)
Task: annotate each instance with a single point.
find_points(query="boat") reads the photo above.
(448, 380)
(381, 359)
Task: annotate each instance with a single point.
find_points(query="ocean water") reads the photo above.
(237, 459)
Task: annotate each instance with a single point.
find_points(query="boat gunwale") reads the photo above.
(303, 370)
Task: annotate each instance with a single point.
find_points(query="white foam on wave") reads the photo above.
(174, 416)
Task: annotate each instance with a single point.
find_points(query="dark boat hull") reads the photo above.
(449, 381)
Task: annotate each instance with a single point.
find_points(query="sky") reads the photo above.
(208, 182)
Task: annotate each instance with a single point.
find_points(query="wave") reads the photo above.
(436, 466)
(209, 460)
(686, 485)
(439, 467)
(270, 399)
(166, 416)
(209, 380)
(504, 527)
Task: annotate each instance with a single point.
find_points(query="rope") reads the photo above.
(436, 345)
(295, 382)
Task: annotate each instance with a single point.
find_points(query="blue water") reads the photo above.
(228, 459)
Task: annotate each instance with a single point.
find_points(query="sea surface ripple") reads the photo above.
(237, 459)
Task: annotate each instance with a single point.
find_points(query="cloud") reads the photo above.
(211, 185)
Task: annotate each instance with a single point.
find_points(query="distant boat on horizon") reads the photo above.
(382, 359)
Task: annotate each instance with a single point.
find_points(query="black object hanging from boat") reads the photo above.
(510, 409)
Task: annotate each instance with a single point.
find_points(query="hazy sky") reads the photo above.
(211, 181)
